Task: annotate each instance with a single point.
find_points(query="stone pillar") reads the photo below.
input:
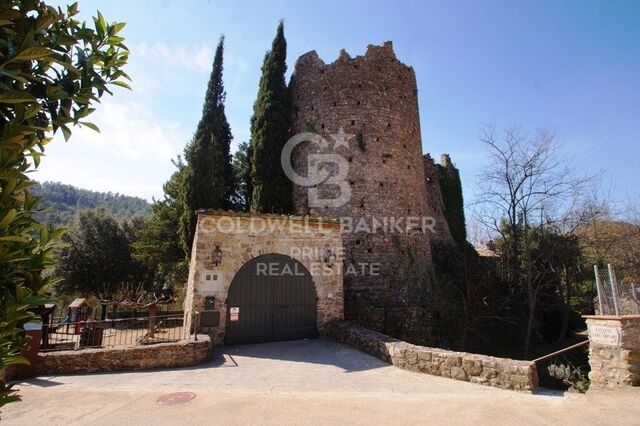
(614, 350)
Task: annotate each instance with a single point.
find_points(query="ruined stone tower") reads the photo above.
(373, 98)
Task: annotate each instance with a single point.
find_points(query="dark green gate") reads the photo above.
(272, 297)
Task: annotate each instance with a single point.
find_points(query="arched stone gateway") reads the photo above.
(261, 277)
(272, 297)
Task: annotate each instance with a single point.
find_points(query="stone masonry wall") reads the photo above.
(486, 370)
(242, 237)
(411, 323)
(374, 99)
(614, 350)
(145, 357)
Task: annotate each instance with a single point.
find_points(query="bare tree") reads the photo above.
(528, 186)
(615, 238)
(630, 243)
(137, 297)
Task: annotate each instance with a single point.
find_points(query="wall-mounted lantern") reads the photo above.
(329, 258)
(216, 256)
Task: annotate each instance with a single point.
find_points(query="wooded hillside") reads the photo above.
(62, 201)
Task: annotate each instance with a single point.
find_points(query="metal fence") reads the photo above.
(113, 332)
(615, 298)
(565, 368)
(144, 313)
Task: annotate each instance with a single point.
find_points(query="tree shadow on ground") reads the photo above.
(39, 382)
(311, 351)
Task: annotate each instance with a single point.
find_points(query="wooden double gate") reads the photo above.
(272, 297)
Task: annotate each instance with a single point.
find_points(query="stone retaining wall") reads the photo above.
(486, 370)
(405, 322)
(163, 355)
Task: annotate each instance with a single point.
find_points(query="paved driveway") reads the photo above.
(301, 382)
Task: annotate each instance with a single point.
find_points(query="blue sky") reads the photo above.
(570, 66)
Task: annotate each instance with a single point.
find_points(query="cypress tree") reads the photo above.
(242, 171)
(270, 130)
(247, 178)
(451, 190)
(208, 180)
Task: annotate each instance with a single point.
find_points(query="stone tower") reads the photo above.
(442, 233)
(373, 98)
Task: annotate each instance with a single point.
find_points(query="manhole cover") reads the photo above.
(176, 398)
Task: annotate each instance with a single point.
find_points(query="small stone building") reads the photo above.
(257, 278)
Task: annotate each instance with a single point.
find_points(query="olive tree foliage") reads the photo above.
(53, 69)
(99, 260)
(97, 257)
(529, 189)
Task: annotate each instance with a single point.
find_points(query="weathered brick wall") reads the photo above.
(485, 370)
(614, 356)
(143, 357)
(374, 96)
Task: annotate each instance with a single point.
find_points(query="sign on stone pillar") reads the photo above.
(614, 350)
(604, 335)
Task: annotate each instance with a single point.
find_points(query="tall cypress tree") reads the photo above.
(242, 171)
(451, 190)
(208, 180)
(270, 130)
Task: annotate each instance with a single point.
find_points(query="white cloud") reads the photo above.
(140, 131)
(193, 58)
(131, 154)
(133, 131)
(144, 129)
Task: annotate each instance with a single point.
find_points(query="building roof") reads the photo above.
(486, 249)
(78, 303)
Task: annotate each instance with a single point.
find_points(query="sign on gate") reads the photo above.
(234, 313)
